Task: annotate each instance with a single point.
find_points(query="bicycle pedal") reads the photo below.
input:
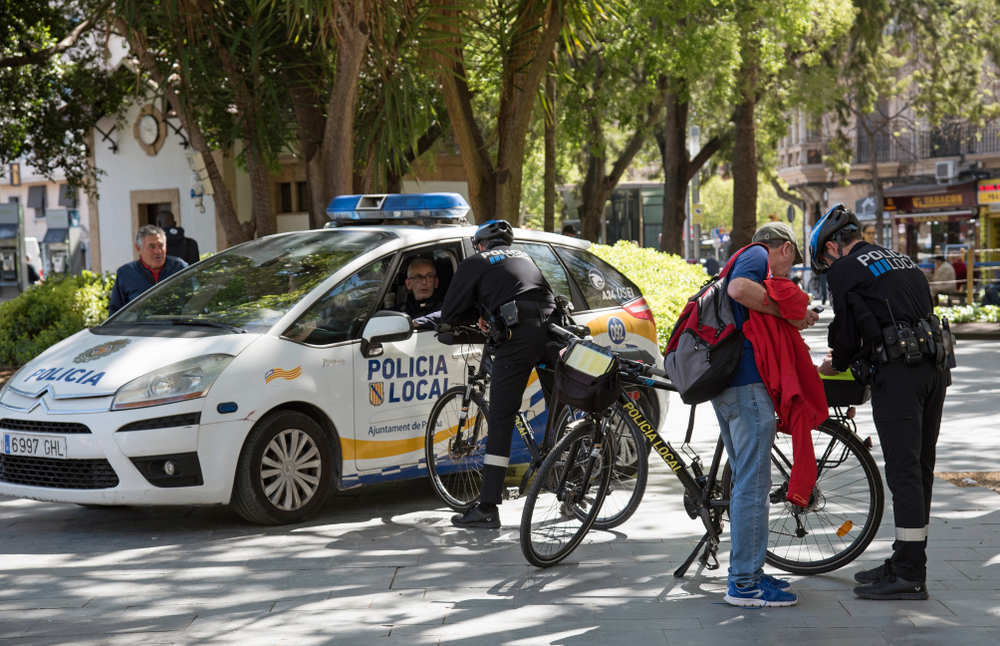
(511, 493)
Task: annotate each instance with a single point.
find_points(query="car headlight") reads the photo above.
(188, 379)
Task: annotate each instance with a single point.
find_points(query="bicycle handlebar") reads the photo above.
(629, 367)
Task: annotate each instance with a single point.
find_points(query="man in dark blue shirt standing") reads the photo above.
(746, 419)
(153, 265)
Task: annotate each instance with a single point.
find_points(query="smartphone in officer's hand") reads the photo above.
(818, 309)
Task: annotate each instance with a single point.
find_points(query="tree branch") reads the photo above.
(785, 195)
(40, 56)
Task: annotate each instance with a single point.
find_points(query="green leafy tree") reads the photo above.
(697, 39)
(54, 85)
(492, 57)
(776, 41)
(212, 63)
(614, 94)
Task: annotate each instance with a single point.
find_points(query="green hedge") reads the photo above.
(666, 280)
(49, 312)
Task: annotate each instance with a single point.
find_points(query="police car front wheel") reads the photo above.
(284, 470)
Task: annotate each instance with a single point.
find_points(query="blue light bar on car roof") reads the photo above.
(442, 208)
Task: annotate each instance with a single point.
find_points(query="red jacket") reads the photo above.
(790, 377)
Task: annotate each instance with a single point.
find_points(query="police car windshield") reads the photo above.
(254, 284)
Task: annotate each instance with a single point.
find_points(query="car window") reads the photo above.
(549, 265)
(253, 284)
(602, 284)
(341, 313)
(444, 257)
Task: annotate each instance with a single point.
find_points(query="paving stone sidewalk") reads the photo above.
(383, 565)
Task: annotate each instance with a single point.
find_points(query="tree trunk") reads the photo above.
(745, 147)
(495, 189)
(671, 140)
(536, 30)
(244, 83)
(261, 197)
(309, 125)
(548, 219)
(337, 148)
(592, 194)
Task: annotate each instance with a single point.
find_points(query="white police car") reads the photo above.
(270, 374)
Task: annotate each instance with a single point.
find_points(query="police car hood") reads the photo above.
(91, 365)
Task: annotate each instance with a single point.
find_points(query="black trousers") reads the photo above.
(906, 404)
(512, 365)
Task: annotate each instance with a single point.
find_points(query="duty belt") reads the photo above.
(913, 342)
(514, 312)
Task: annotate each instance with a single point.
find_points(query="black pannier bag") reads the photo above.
(587, 377)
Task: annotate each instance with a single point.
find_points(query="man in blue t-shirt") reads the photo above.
(746, 419)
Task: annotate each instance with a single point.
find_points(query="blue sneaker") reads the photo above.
(759, 596)
(775, 582)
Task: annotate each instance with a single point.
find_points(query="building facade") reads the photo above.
(936, 197)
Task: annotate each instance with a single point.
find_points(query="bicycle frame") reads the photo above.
(696, 485)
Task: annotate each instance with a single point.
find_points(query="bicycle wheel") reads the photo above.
(455, 456)
(629, 472)
(572, 478)
(844, 511)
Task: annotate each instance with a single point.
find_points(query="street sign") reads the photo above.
(698, 213)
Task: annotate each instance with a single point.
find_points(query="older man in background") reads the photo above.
(153, 265)
(943, 278)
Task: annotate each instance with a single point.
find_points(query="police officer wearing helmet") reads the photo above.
(884, 329)
(504, 287)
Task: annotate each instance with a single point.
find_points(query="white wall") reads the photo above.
(131, 169)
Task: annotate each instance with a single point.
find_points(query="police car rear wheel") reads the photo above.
(284, 470)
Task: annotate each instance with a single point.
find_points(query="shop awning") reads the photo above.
(925, 189)
(55, 235)
(934, 215)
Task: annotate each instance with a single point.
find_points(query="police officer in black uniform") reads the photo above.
(503, 287)
(884, 329)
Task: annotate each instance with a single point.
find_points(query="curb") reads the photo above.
(976, 330)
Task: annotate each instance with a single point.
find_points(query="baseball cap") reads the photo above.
(778, 231)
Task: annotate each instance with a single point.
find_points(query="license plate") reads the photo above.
(35, 446)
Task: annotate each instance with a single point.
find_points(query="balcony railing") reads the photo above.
(927, 144)
(912, 146)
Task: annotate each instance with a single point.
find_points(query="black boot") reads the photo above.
(477, 518)
(890, 586)
(874, 574)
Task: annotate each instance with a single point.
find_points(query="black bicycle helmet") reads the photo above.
(833, 225)
(493, 233)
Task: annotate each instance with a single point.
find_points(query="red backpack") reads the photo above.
(705, 345)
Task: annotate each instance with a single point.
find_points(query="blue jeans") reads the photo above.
(746, 419)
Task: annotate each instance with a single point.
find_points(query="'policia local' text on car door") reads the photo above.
(396, 388)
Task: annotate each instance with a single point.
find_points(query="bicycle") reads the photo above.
(455, 442)
(841, 519)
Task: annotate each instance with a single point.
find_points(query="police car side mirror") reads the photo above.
(384, 327)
